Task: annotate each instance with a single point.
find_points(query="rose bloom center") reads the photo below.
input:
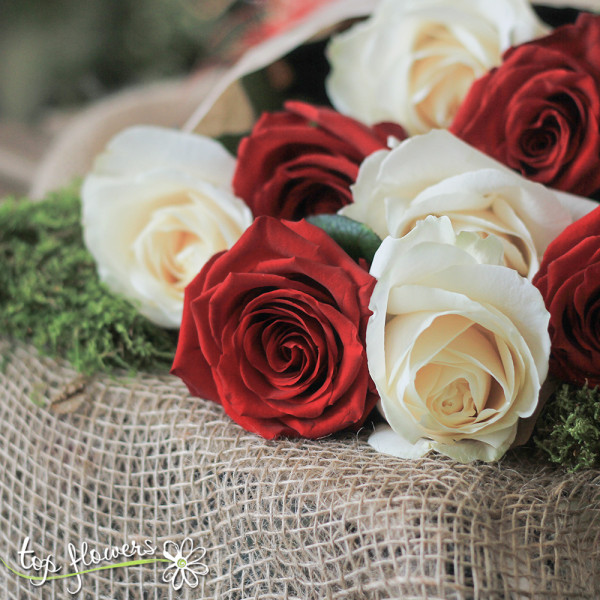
(458, 385)
(172, 246)
(440, 81)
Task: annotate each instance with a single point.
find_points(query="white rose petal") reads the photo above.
(457, 345)
(438, 174)
(385, 440)
(413, 61)
(157, 205)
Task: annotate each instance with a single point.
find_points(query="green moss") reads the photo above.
(568, 430)
(50, 295)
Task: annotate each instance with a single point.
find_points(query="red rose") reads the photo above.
(569, 280)
(302, 161)
(539, 112)
(274, 330)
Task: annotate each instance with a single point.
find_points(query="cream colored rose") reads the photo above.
(156, 206)
(457, 345)
(438, 174)
(413, 61)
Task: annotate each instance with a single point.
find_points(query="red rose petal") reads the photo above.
(569, 281)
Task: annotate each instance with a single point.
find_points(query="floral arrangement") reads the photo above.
(428, 246)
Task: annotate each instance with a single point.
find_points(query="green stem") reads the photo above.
(131, 563)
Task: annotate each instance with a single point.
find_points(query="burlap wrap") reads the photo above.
(289, 519)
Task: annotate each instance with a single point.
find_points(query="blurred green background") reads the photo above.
(61, 53)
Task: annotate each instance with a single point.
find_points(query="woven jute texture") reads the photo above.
(139, 459)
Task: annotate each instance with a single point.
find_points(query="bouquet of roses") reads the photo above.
(423, 246)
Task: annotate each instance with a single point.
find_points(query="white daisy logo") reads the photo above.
(186, 565)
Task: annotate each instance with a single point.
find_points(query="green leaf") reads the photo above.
(358, 240)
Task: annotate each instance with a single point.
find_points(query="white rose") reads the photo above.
(457, 345)
(156, 206)
(413, 61)
(438, 174)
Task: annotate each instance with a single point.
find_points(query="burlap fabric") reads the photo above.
(280, 520)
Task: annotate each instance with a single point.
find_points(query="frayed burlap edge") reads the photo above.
(139, 459)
